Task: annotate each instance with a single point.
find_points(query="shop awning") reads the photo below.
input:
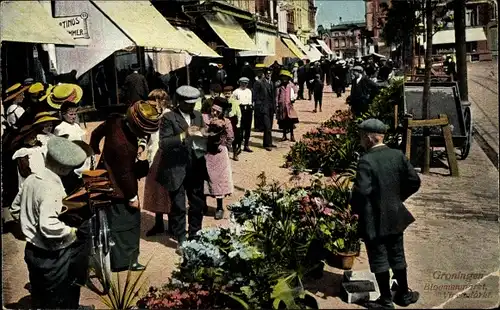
(294, 48)
(28, 21)
(197, 44)
(266, 45)
(325, 47)
(448, 36)
(313, 52)
(300, 45)
(230, 31)
(144, 25)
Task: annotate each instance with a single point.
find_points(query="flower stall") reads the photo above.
(334, 146)
(278, 239)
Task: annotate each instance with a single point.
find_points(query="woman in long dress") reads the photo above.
(286, 115)
(221, 136)
(156, 197)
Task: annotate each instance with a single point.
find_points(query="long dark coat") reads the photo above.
(178, 158)
(362, 94)
(265, 105)
(136, 88)
(384, 180)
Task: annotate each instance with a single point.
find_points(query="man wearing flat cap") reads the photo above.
(384, 180)
(264, 98)
(182, 171)
(363, 91)
(119, 158)
(56, 254)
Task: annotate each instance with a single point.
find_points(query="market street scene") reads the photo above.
(257, 154)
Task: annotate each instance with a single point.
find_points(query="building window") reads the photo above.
(342, 43)
(471, 18)
(336, 42)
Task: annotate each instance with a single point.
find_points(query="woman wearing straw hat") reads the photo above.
(286, 115)
(14, 98)
(119, 159)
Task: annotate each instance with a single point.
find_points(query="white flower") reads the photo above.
(196, 253)
(211, 233)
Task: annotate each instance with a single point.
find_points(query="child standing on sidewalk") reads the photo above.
(318, 93)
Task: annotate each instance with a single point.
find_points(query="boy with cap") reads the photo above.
(182, 170)
(244, 96)
(56, 254)
(384, 180)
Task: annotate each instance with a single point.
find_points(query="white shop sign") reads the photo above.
(76, 25)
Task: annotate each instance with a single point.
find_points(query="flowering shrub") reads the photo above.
(334, 146)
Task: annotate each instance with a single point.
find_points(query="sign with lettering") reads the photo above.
(76, 25)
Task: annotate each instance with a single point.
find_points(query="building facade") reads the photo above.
(345, 39)
(375, 14)
(480, 32)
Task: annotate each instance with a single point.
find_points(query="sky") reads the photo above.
(329, 11)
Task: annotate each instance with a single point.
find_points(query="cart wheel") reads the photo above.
(465, 149)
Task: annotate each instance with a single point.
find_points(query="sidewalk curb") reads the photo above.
(490, 152)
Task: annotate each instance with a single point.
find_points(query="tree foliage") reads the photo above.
(407, 17)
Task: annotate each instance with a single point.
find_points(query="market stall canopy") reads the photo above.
(375, 55)
(144, 25)
(198, 45)
(294, 48)
(311, 50)
(303, 48)
(325, 47)
(28, 21)
(448, 36)
(230, 31)
(266, 45)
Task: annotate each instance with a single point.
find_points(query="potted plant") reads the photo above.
(347, 245)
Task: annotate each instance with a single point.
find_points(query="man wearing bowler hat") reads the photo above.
(182, 170)
(363, 90)
(384, 180)
(265, 102)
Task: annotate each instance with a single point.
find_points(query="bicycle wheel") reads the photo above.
(105, 250)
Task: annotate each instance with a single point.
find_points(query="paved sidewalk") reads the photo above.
(456, 231)
(483, 94)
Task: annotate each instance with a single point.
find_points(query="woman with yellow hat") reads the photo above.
(285, 114)
(14, 98)
(33, 104)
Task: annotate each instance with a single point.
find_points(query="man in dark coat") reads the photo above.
(301, 74)
(264, 98)
(363, 91)
(384, 180)
(136, 86)
(182, 170)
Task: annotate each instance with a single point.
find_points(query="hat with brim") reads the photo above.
(373, 125)
(14, 91)
(64, 93)
(36, 88)
(65, 153)
(48, 92)
(40, 118)
(144, 116)
(286, 73)
(244, 80)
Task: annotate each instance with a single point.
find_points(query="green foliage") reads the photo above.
(124, 295)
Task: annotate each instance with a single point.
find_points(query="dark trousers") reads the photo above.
(192, 188)
(318, 100)
(300, 94)
(246, 123)
(55, 276)
(386, 253)
(268, 127)
(237, 141)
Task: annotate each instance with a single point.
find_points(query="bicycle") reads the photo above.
(96, 195)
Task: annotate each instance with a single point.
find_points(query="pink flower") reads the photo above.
(327, 211)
